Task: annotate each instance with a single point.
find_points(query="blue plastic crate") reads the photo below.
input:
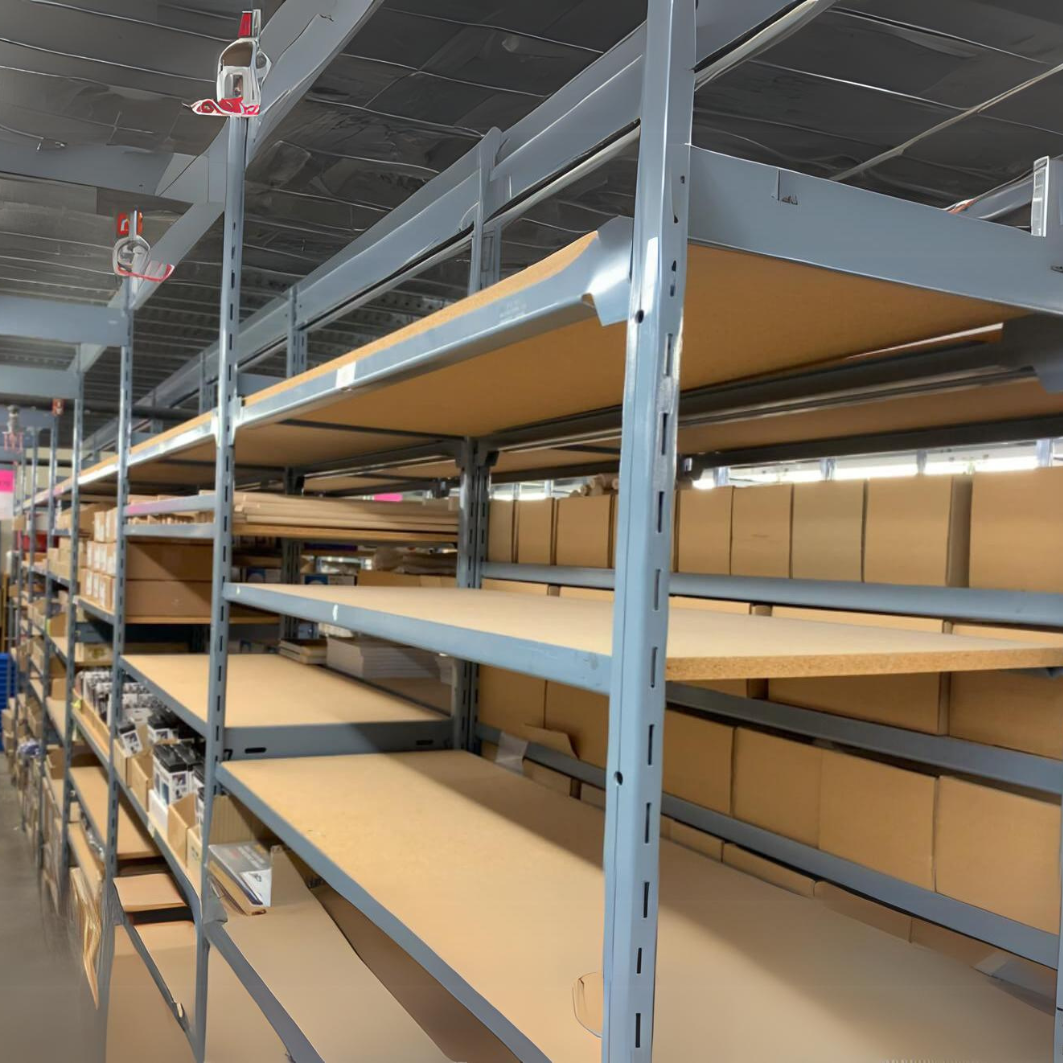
(7, 683)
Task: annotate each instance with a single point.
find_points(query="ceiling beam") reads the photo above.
(49, 319)
(20, 382)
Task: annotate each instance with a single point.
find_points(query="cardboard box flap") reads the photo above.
(148, 893)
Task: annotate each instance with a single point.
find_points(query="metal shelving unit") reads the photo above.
(689, 203)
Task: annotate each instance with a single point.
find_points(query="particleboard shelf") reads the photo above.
(701, 644)
(90, 784)
(267, 690)
(454, 832)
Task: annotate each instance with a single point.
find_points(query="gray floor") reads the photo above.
(46, 1010)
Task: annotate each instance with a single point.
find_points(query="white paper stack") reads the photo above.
(370, 658)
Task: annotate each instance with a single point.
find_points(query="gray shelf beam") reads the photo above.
(197, 531)
(1023, 940)
(167, 506)
(298, 1046)
(576, 668)
(941, 751)
(369, 906)
(1028, 608)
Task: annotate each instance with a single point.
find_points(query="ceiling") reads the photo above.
(935, 102)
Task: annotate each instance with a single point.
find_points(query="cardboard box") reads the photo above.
(552, 780)
(535, 532)
(160, 561)
(703, 530)
(182, 819)
(138, 777)
(760, 530)
(584, 532)
(917, 702)
(583, 716)
(697, 760)
(690, 837)
(502, 531)
(777, 784)
(879, 816)
(592, 795)
(160, 598)
(899, 924)
(918, 531)
(767, 870)
(511, 701)
(1017, 530)
(999, 851)
(194, 852)
(827, 539)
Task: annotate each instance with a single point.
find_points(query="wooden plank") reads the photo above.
(453, 832)
(268, 690)
(148, 893)
(701, 644)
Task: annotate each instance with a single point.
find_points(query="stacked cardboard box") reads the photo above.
(163, 580)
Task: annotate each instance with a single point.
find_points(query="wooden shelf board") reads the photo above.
(267, 690)
(452, 831)
(701, 644)
(90, 782)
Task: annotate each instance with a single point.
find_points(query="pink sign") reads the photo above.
(393, 497)
(7, 481)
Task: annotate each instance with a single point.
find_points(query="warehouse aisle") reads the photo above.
(46, 1010)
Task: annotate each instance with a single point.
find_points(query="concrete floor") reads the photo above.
(46, 1010)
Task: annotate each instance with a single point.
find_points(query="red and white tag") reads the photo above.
(227, 108)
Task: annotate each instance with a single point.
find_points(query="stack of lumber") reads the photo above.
(305, 651)
(370, 658)
(339, 519)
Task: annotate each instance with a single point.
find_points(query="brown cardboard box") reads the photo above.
(879, 816)
(584, 535)
(179, 822)
(768, 870)
(777, 784)
(99, 525)
(760, 530)
(592, 795)
(1017, 530)
(691, 838)
(703, 530)
(899, 924)
(552, 780)
(697, 760)
(828, 530)
(138, 777)
(918, 530)
(372, 578)
(501, 531)
(161, 561)
(511, 701)
(999, 851)
(917, 702)
(160, 598)
(1010, 709)
(535, 532)
(583, 716)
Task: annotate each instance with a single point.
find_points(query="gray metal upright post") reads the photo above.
(296, 357)
(17, 643)
(474, 498)
(224, 476)
(644, 549)
(31, 532)
(292, 549)
(46, 675)
(486, 253)
(71, 623)
(112, 913)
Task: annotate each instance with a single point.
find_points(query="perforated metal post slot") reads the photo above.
(644, 546)
(224, 479)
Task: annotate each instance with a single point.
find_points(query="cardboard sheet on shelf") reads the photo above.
(702, 644)
(455, 831)
(148, 893)
(267, 690)
(336, 995)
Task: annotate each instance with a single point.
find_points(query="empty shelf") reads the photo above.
(272, 702)
(570, 639)
(90, 784)
(453, 831)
